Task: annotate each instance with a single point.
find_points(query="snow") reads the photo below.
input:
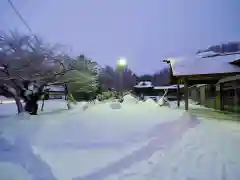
(129, 99)
(200, 66)
(4, 100)
(199, 154)
(161, 101)
(150, 102)
(169, 87)
(137, 141)
(7, 169)
(144, 84)
(115, 105)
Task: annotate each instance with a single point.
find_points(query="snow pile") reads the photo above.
(140, 102)
(129, 99)
(150, 102)
(115, 105)
(84, 105)
(97, 101)
(163, 102)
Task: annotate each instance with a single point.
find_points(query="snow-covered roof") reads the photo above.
(197, 85)
(202, 66)
(144, 84)
(205, 54)
(231, 78)
(169, 87)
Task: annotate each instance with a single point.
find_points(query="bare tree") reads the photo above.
(27, 66)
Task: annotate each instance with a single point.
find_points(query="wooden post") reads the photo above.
(178, 94)
(186, 93)
(236, 97)
(221, 96)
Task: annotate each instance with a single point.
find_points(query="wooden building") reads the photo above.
(197, 93)
(146, 89)
(230, 88)
(171, 91)
(197, 70)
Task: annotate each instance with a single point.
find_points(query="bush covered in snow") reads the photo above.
(107, 95)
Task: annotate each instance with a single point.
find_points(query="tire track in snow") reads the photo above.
(21, 153)
(165, 135)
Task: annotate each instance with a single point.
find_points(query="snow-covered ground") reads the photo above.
(95, 142)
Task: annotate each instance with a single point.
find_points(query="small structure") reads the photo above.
(197, 70)
(55, 92)
(230, 88)
(143, 88)
(171, 92)
(146, 89)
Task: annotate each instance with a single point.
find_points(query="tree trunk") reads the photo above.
(19, 104)
(42, 105)
(11, 92)
(31, 106)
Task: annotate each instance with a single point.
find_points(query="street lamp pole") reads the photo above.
(121, 83)
(121, 64)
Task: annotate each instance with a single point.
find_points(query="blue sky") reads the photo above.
(142, 31)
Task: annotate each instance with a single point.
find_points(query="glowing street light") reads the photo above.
(121, 64)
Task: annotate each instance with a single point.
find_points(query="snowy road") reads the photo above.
(138, 141)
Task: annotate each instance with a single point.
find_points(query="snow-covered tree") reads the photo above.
(27, 65)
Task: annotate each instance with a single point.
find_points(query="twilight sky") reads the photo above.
(143, 31)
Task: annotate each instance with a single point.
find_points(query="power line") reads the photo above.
(20, 16)
(23, 20)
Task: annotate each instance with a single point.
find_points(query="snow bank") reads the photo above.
(150, 102)
(161, 102)
(129, 99)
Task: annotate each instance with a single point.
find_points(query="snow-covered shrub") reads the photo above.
(106, 95)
